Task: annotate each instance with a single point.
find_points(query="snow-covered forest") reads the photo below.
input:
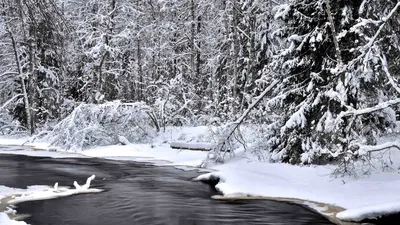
(316, 80)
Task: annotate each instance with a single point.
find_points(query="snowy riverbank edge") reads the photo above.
(345, 198)
(10, 197)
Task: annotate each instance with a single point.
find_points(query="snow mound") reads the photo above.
(365, 197)
(369, 212)
(5, 220)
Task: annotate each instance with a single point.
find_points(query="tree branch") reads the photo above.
(248, 110)
(380, 106)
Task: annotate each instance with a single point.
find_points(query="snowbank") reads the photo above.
(161, 154)
(35, 149)
(5, 220)
(315, 184)
(369, 212)
(12, 141)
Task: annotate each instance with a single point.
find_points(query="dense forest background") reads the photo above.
(318, 77)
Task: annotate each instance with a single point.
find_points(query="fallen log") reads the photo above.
(191, 146)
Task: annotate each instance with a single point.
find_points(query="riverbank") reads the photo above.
(245, 177)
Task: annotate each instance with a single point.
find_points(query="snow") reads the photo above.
(353, 199)
(184, 145)
(369, 212)
(5, 220)
(12, 141)
(162, 154)
(297, 119)
(43, 152)
(13, 196)
(282, 11)
(309, 183)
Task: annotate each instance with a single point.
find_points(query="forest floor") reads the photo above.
(348, 198)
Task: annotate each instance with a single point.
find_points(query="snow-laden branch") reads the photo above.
(10, 100)
(366, 49)
(8, 73)
(380, 106)
(381, 147)
(385, 68)
(371, 42)
(385, 20)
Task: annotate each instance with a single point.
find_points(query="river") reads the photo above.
(136, 194)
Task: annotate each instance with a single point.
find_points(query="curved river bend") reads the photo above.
(136, 194)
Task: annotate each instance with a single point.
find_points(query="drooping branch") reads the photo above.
(9, 101)
(385, 20)
(381, 147)
(386, 70)
(380, 106)
(366, 49)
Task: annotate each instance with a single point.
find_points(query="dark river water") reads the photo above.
(136, 194)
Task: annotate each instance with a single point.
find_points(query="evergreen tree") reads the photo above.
(326, 73)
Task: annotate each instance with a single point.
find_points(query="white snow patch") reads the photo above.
(5, 220)
(369, 212)
(12, 141)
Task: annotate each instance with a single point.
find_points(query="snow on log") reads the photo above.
(191, 146)
(123, 140)
(55, 192)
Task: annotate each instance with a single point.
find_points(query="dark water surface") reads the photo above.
(137, 194)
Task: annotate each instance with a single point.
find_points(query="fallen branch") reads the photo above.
(245, 114)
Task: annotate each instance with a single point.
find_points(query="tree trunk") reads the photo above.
(24, 91)
(235, 55)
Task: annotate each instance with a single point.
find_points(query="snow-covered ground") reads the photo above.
(5, 220)
(347, 198)
(310, 183)
(162, 154)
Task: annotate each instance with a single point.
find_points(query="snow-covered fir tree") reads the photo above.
(332, 71)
